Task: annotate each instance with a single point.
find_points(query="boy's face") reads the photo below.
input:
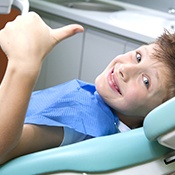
(133, 83)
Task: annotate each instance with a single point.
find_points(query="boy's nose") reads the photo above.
(128, 71)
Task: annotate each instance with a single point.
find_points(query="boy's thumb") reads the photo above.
(65, 32)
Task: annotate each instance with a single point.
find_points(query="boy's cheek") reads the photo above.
(100, 81)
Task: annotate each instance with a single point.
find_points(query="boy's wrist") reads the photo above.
(24, 68)
(22, 73)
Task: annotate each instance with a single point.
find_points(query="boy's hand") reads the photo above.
(28, 39)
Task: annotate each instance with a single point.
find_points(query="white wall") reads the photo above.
(162, 5)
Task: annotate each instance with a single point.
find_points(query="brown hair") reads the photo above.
(166, 54)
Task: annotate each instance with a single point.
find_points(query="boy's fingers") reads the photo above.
(65, 32)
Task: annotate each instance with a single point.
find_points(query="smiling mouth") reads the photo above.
(114, 83)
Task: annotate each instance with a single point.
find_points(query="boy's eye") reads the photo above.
(138, 56)
(146, 81)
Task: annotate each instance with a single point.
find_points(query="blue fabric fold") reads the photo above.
(75, 104)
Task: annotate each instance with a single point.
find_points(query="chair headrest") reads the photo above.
(160, 120)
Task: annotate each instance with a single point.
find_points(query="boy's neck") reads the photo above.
(131, 121)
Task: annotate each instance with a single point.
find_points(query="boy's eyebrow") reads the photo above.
(156, 75)
(145, 49)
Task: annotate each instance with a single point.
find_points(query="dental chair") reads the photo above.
(149, 150)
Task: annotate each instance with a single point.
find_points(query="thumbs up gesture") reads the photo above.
(28, 39)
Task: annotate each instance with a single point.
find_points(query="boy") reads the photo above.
(129, 88)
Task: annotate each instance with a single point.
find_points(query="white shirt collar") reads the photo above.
(122, 127)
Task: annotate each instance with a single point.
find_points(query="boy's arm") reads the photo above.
(25, 41)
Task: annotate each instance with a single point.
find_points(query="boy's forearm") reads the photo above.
(15, 92)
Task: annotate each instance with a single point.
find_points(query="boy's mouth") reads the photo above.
(114, 82)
